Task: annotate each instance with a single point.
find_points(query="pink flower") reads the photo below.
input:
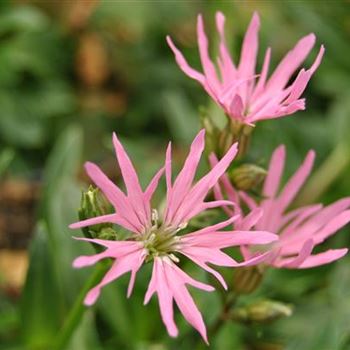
(159, 239)
(243, 94)
(301, 229)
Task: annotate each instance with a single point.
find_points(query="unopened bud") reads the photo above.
(107, 233)
(247, 279)
(262, 311)
(94, 204)
(247, 176)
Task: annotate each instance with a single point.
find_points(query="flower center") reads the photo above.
(160, 240)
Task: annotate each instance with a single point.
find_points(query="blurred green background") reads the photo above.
(71, 72)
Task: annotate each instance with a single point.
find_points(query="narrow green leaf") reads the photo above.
(40, 311)
(59, 208)
(85, 337)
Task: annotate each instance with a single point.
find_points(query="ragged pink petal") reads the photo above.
(184, 180)
(133, 187)
(169, 282)
(303, 78)
(251, 219)
(333, 226)
(250, 48)
(116, 246)
(305, 214)
(323, 258)
(263, 75)
(127, 263)
(202, 262)
(153, 185)
(159, 284)
(274, 173)
(83, 261)
(224, 239)
(303, 254)
(199, 191)
(290, 63)
(110, 218)
(263, 258)
(181, 61)
(229, 189)
(114, 195)
(207, 254)
(214, 228)
(210, 205)
(330, 211)
(183, 298)
(249, 54)
(296, 182)
(207, 64)
(227, 68)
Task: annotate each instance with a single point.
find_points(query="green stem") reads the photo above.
(229, 302)
(77, 311)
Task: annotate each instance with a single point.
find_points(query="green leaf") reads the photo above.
(85, 337)
(40, 306)
(59, 207)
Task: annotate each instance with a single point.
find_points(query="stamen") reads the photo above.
(174, 258)
(161, 240)
(155, 217)
(181, 226)
(151, 238)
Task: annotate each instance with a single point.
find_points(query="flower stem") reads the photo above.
(77, 311)
(229, 302)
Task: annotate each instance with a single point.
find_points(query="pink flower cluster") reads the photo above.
(269, 233)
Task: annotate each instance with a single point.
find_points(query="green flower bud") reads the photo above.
(247, 176)
(93, 204)
(262, 311)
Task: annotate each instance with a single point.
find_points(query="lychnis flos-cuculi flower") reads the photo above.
(300, 229)
(245, 95)
(158, 236)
